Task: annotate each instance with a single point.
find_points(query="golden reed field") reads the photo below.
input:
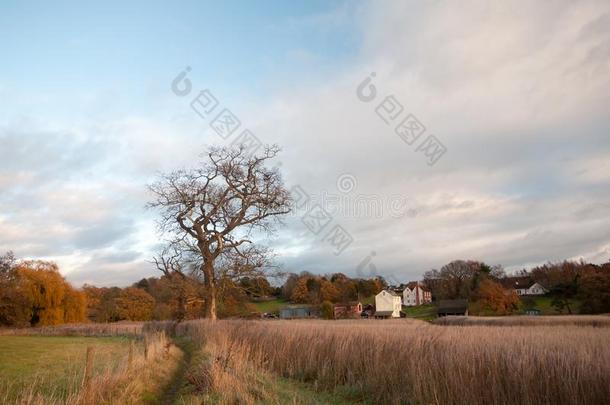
(412, 362)
(511, 360)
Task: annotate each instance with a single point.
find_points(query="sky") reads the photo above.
(514, 97)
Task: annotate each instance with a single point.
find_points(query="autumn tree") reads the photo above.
(457, 279)
(256, 286)
(563, 294)
(96, 301)
(300, 293)
(327, 310)
(51, 299)
(366, 288)
(14, 307)
(492, 297)
(328, 291)
(212, 211)
(289, 285)
(313, 289)
(232, 299)
(75, 306)
(594, 291)
(135, 304)
(347, 289)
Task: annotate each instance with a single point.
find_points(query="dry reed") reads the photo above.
(126, 383)
(411, 362)
(80, 329)
(600, 321)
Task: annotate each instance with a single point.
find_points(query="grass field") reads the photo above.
(595, 321)
(405, 361)
(525, 360)
(544, 304)
(50, 369)
(425, 312)
(272, 306)
(55, 363)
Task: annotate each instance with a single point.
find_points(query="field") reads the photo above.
(54, 362)
(425, 312)
(271, 306)
(549, 361)
(544, 305)
(524, 320)
(509, 360)
(53, 369)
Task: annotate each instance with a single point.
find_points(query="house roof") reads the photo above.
(517, 282)
(460, 305)
(412, 284)
(391, 292)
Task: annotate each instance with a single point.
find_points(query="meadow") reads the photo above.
(511, 360)
(406, 361)
(52, 369)
(55, 363)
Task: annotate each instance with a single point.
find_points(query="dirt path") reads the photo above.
(173, 388)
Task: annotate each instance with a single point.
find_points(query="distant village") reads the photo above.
(390, 301)
(459, 288)
(463, 287)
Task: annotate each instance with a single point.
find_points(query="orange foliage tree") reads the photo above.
(492, 297)
(135, 304)
(300, 294)
(14, 307)
(50, 298)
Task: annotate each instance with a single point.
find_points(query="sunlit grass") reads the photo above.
(55, 362)
(410, 361)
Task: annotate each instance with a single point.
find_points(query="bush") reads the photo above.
(327, 310)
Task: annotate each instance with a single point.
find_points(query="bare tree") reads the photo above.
(454, 280)
(213, 211)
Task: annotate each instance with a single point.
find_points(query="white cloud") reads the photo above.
(518, 92)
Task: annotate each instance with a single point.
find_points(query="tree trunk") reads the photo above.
(210, 287)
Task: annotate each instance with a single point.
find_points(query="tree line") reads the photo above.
(482, 285)
(33, 292)
(307, 288)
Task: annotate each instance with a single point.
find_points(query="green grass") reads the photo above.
(267, 387)
(544, 304)
(368, 300)
(424, 312)
(272, 306)
(291, 391)
(55, 364)
(282, 390)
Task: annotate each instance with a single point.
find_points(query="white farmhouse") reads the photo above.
(534, 289)
(524, 285)
(415, 294)
(387, 304)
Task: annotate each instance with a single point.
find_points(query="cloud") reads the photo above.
(518, 94)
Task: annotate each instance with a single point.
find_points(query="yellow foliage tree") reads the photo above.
(300, 294)
(135, 304)
(75, 306)
(493, 297)
(328, 291)
(51, 298)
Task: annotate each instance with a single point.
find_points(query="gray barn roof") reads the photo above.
(453, 306)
